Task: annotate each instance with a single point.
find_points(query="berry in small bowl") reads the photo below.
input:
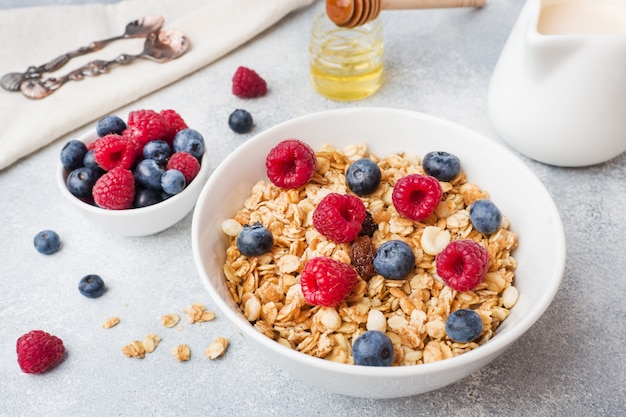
(135, 176)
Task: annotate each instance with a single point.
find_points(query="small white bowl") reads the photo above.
(511, 184)
(136, 222)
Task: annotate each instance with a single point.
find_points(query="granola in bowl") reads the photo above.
(412, 312)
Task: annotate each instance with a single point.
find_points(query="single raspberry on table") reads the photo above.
(416, 196)
(327, 282)
(144, 126)
(176, 124)
(115, 190)
(185, 163)
(339, 217)
(38, 351)
(291, 164)
(248, 84)
(112, 151)
(462, 264)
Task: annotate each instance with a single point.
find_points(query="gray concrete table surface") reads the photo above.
(571, 363)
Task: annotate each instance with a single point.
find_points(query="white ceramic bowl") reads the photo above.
(511, 184)
(137, 221)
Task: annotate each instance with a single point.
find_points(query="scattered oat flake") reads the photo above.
(150, 342)
(198, 313)
(217, 348)
(111, 322)
(170, 320)
(181, 352)
(134, 349)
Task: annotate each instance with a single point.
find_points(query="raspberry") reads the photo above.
(175, 122)
(38, 351)
(462, 264)
(144, 126)
(416, 196)
(247, 83)
(185, 163)
(326, 282)
(291, 164)
(115, 190)
(339, 217)
(113, 151)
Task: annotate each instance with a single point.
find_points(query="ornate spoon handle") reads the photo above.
(37, 89)
(137, 28)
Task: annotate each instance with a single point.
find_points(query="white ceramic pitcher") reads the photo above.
(558, 91)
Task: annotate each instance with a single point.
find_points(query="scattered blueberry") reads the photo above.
(485, 216)
(254, 240)
(110, 124)
(145, 197)
(373, 348)
(81, 181)
(159, 150)
(148, 174)
(394, 259)
(72, 154)
(464, 325)
(173, 181)
(47, 242)
(442, 165)
(190, 141)
(363, 177)
(240, 121)
(91, 286)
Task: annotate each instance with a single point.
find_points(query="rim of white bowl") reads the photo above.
(490, 347)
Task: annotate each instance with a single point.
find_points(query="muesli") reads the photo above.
(412, 312)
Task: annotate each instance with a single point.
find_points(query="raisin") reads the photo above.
(362, 255)
(369, 226)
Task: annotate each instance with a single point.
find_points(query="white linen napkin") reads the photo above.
(36, 35)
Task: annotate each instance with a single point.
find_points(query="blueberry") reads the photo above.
(240, 121)
(373, 348)
(148, 174)
(159, 150)
(254, 240)
(464, 325)
(110, 124)
(47, 242)
(72, 154)
(394, 259)
(173, 181)
(363, 177)
(91, 286)
(442, 165)
(145, 197)
(80, 182)
(485, 216)
(190, 141)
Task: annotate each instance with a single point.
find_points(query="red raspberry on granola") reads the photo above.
(326, 281)
(339, 217)
(416, 196)
(462, 264)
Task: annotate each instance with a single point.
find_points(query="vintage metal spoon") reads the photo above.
(136, 29)
(162, 46)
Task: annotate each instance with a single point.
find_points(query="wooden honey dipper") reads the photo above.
(353, 13)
